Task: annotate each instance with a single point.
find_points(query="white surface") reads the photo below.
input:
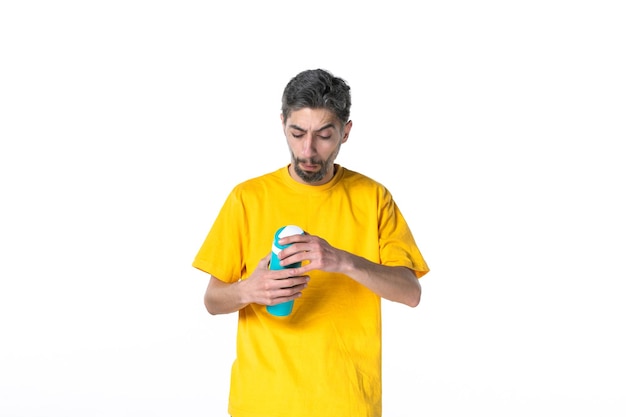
(497, 126)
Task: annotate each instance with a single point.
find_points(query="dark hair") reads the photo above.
(317, 89)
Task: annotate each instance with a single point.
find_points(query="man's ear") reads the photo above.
(346, 131)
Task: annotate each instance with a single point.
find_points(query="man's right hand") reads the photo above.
(263, 286)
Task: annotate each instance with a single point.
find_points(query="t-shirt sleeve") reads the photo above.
(397, 244)
(221, 255)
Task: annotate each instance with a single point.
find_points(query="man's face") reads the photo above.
(314, 137)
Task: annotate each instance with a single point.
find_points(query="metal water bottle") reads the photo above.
(282, 309)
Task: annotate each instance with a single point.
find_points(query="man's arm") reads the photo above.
(263, 287)
(395, 283)
(221, 297)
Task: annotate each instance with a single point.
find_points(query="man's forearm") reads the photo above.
(394, 283)
(222, 297)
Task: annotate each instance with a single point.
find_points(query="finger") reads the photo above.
(303, 237)
(291, 291)
(294, 281)
(264, 263)
(290, 273)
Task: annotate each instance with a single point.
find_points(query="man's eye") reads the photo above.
(297, 135)
(324, 137)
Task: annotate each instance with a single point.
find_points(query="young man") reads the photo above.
(323, 359)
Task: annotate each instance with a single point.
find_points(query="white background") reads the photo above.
(498, 126)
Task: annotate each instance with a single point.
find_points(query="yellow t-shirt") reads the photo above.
(324, 359)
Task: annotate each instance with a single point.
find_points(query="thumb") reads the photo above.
(265, 261)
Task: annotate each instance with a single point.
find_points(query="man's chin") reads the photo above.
(308, 176)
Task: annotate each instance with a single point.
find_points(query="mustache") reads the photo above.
(310, 161)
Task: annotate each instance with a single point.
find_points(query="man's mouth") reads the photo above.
(309, 167)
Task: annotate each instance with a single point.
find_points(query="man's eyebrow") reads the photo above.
(328, 126)
(297, 128)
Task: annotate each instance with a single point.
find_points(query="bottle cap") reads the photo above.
(285, 231)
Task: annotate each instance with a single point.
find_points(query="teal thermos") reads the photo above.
(282, 309)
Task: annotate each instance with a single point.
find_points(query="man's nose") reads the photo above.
(308, 146)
